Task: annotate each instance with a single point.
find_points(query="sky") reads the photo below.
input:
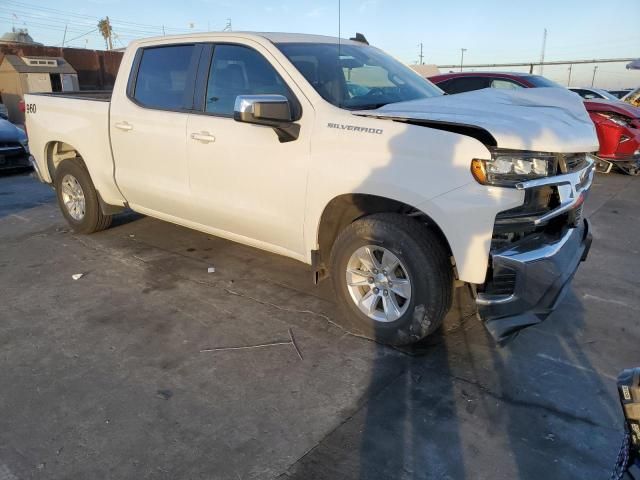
(492, 31)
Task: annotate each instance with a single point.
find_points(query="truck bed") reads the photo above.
(80, 120)
(97, 95)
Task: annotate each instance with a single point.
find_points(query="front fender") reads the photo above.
(415, 165)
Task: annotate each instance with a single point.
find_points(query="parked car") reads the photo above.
(617, 124)
(14, 148)
(383, 183)
(468, 81)
(620, 93)
(594, 93)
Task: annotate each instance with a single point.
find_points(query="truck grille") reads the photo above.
(502, 282)
(570, 162)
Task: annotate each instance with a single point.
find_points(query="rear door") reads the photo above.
(148, 129)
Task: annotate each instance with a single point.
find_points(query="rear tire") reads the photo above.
(413, 283)
(78, 198)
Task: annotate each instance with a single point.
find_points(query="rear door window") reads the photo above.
(504, 84)
(466, 84)
(165, 77)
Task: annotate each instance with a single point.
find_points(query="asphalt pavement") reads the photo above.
(124, 372)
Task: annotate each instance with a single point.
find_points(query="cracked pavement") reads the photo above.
(105, 377)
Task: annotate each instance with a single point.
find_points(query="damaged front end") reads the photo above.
(536, 249)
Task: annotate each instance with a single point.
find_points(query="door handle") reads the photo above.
(123, 126)
(204, 137)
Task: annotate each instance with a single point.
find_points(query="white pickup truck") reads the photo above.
(333, 153)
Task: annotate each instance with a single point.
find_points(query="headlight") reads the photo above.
(615, 118)
(508, 167)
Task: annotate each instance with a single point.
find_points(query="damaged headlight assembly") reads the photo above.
(509, 167)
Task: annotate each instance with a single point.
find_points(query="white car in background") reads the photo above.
(594, 93)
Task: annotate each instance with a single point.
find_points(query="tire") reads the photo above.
(85, 215)
(423, 261)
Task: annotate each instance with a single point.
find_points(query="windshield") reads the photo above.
(360, 78)
(540, 81)
(607, 95)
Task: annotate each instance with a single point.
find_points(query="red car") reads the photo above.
(617, 123)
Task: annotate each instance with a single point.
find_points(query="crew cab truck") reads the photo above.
(331, 152)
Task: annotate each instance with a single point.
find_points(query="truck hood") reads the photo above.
(540, 119)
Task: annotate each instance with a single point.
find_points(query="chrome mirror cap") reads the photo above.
(262, 109)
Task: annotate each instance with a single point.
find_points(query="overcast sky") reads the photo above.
(492, 31)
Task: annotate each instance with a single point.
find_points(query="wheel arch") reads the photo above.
(56, 151)
(345, 209)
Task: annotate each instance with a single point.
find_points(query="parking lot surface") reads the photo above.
(117, 374)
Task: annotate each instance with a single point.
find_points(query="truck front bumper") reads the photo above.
(540, 267)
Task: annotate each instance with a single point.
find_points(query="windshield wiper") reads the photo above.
(368, 106)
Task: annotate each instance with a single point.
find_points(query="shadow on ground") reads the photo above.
(104, 376)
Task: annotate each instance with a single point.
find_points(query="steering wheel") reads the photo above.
(375, 92)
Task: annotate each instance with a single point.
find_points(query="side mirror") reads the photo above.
(269, 110)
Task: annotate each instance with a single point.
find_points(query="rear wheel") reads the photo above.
(78, 198)
(392, 278)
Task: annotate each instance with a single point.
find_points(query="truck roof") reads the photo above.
(274, 37)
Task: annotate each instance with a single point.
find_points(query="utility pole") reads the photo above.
(462, 50)
(544, 47)
(421, 56)
(228, 27)
(569, 81)
(64, 37)
(163, 34)
(593, 79)
(109, 30)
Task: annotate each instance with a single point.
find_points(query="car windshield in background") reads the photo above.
(540, 81)
(606, 94)
(358, 77)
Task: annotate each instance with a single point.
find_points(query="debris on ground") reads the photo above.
(275, 343)
(164, 394)
(293, 342)
(211, 270)
(77, 276)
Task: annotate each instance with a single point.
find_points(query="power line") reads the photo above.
(79, 36)
(66, 14)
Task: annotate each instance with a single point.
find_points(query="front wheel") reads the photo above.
(78, 198)
(392, 277)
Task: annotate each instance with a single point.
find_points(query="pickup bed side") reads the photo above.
(62, 125)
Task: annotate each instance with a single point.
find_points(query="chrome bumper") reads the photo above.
(543, 266)
(538, 268)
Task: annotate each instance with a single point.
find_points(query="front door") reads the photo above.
(244, 181)
(148, 130)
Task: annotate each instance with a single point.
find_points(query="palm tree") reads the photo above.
(105, 29)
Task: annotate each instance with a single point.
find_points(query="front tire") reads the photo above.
(78, 198)
(392, 278)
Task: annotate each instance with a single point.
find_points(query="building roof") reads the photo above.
(30, 64)
(19, 35)
(426, 70)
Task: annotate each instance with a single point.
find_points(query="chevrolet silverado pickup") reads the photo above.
(331, 152)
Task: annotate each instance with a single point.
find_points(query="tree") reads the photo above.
(104, 26)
